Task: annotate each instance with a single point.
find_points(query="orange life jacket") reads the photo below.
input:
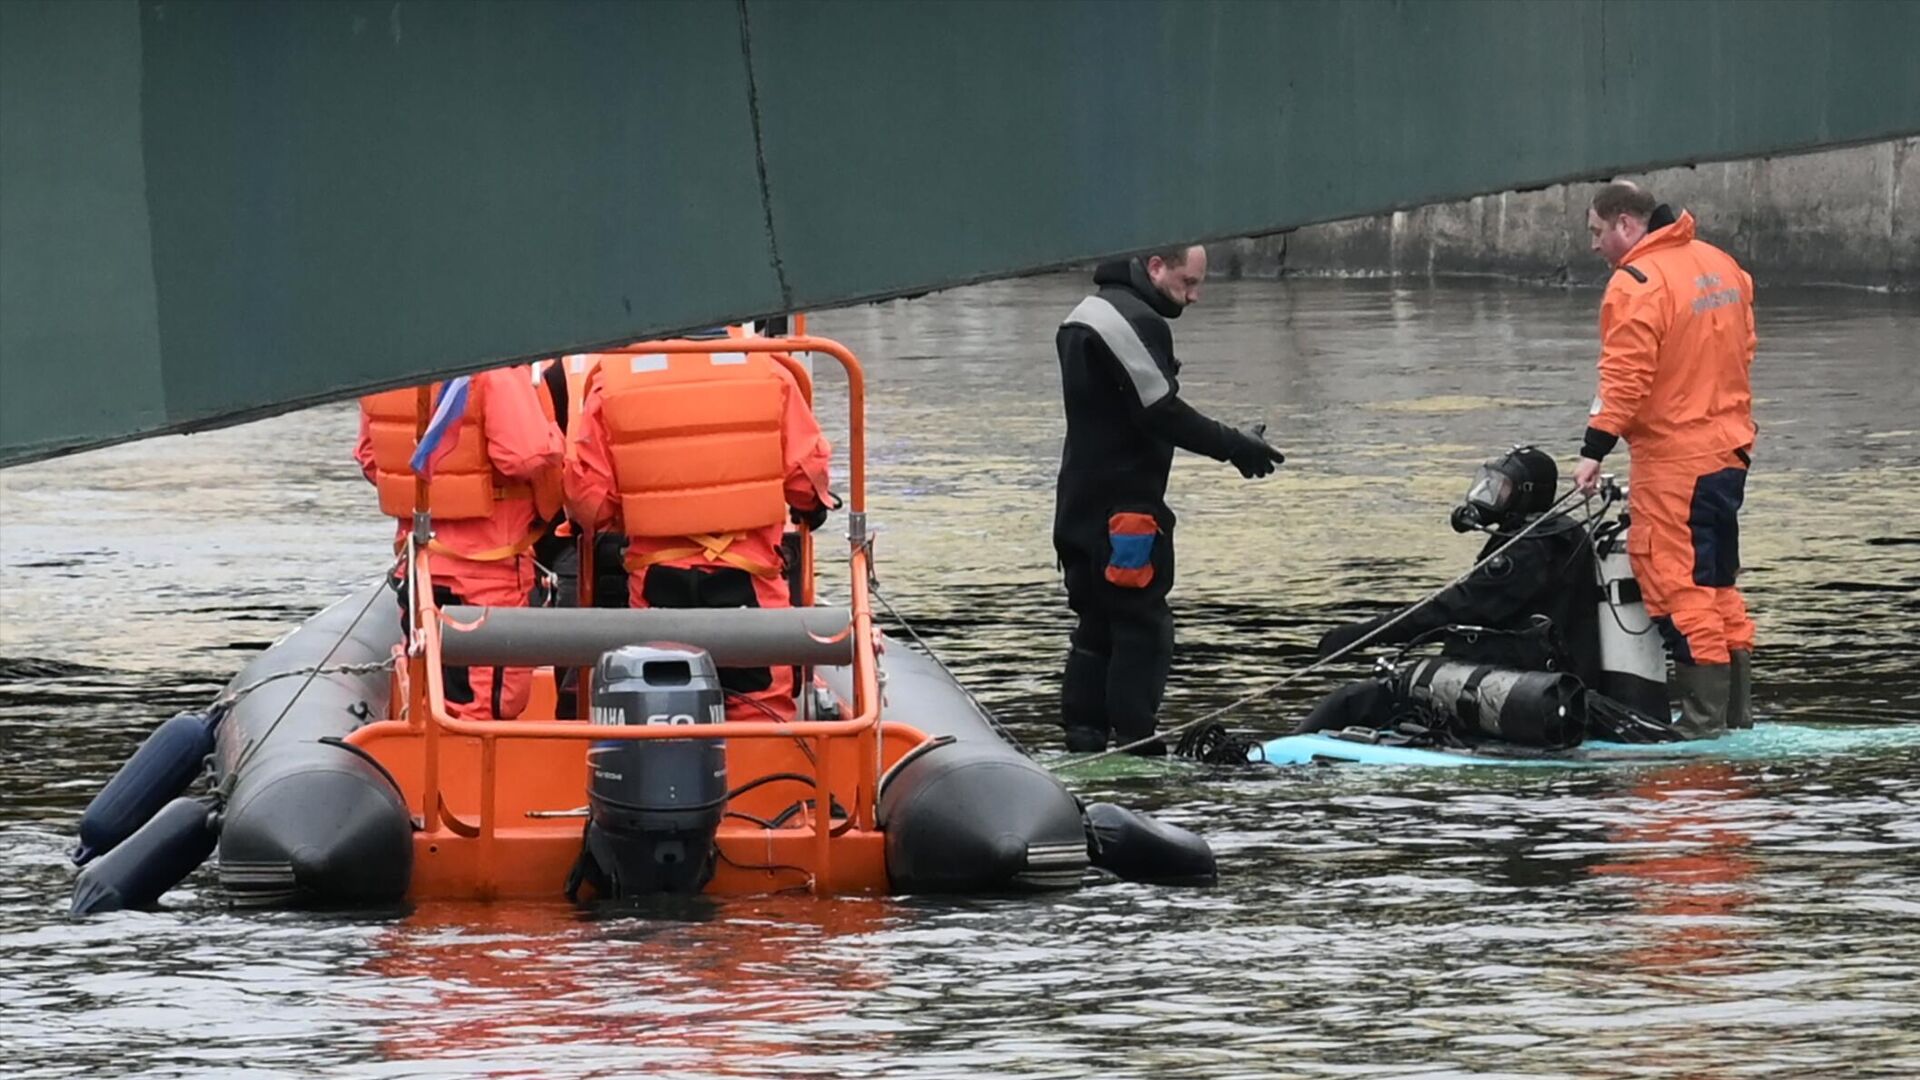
(464, 484)
(695, 441)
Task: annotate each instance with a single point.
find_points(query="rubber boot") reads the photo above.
(1705, 690)
(1740, 693)
(1083, 702)
(1156, 748)
(1085, 740)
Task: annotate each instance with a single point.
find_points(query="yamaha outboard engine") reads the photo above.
(1530, 708)
(654, 804)
(1633, 662)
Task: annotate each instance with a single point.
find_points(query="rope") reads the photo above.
(1213, 744)
(253, 745)
(1288, 680)
(231, 697)
(993, 721)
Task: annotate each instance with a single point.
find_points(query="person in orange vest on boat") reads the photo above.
(702, 459)
(492, 456)
(562, 384)
(1676, 346)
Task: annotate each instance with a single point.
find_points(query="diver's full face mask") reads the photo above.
(1492, 490)
(1495, 491)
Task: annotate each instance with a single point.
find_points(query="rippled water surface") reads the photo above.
(1679, 920)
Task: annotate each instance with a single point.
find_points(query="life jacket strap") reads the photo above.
(495, 554)
(710, 547)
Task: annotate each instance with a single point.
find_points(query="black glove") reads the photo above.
(1253, 457)
(809, 520)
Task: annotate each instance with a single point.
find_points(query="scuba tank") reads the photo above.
(1530, 708)
(1633, 662)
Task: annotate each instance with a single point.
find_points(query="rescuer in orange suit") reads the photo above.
(563, 383)
(494, 478)
(1676, 346)
(701, 459)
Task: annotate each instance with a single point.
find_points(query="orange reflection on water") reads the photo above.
(1691, 878)
(698, 984)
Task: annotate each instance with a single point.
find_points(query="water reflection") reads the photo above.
(716, 988)
(1685, 856)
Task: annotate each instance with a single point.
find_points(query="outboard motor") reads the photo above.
(1530, 708)
(1633, 662)
(654, 804)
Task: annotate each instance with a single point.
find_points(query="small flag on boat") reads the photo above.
(436, 443)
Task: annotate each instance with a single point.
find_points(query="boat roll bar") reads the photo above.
(576, 637)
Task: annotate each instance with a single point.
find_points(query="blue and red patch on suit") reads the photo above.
(1130, 539)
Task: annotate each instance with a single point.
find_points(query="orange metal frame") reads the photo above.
(518, 840)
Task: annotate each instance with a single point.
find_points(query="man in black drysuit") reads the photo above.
(1111, 525)
(1548, 573)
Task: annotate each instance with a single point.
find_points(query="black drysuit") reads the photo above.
(1549, 572)
(1121, 386)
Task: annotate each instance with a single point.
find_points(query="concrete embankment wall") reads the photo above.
(1845, 217)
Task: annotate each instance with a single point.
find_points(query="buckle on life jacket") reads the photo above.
(712, 548)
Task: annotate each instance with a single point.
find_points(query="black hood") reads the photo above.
(1662, 217)
(1132, 274)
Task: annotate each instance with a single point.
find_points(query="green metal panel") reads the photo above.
(79, 336)
(344, 185)
(210, 211)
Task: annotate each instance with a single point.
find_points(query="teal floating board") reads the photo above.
(1764, 742)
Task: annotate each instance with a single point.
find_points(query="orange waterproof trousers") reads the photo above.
(1685, 550)
(484, 693)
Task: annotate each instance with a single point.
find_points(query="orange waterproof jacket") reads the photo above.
(1676, 343)
(697, 456)
(502, 472)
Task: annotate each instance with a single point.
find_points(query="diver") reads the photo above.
(1532, 605)
(1112, 527)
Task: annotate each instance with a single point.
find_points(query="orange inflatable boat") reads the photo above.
(341, 778)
